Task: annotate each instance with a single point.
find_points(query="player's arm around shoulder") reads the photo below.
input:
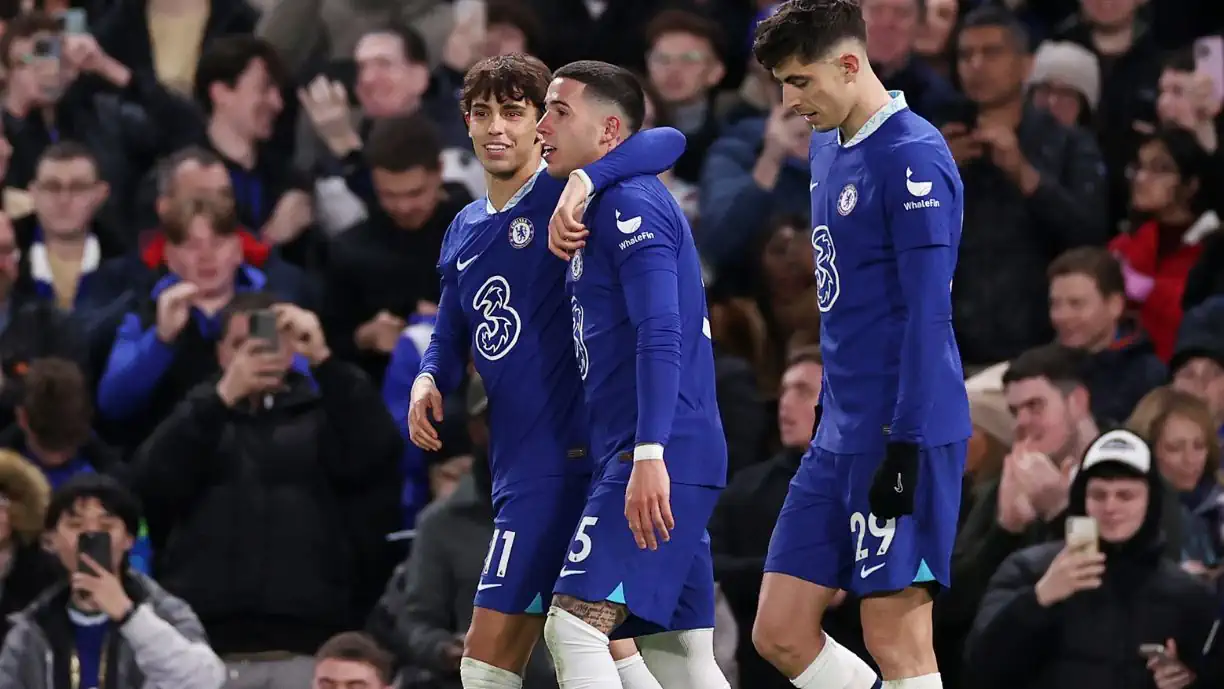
(636, 227)
(922, 194)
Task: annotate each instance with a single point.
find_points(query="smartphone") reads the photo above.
(97, 545)
(47, 48)
(74, 21)
(1149, 651)
(1209, 59)
(263, 327)
(1082, 532)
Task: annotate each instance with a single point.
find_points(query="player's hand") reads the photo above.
(1073, 570)
(566, 233)
(892, 488)
(426, 401)
(1167, 671)
(964, 148)
(648, 503)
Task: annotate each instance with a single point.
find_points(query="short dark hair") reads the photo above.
(1094, 262)
(227, 58)
(1181, 60)
(403, 142)
(63, 151)
(25, 26)
(414, 47)
(220, 214)
(116, 499)
(807, 30)
(168, 167)
(991, 16)
(809, 354)
(1062, 366)
(359, 647)
(504, 78)
(610, 83)
(56, 403)
(682, 21)
(245, 303)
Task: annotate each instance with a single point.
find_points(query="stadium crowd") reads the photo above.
(173, 168)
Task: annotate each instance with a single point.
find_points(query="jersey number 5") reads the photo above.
(879, 528)
(583, 539)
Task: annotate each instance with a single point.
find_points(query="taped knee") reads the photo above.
(683, 660)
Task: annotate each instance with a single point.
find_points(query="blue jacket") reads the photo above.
(397, 389)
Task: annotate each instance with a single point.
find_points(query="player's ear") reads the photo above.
(850, 67)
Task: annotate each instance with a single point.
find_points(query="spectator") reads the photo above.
(353, 660)
(23, 506)
(381, 275)
(892, 35)
(1183, 439)
(1087, 304)
(744, 517)
(787, 291)
(62, 245)
(254, 475)
(1066, 615)
(1188, 100)
(657, 115)
(164, 346)
(10, 271)
(1197, 366)
(401, 373)
(757, 168)
(1066, 82)
(428, 608)
(64, 87)
(164, 39)
(1025, 505)
(107, 625)
(53, 428)
(684, 63)
(1033, 189)
(1169, 179)
(238, 85)
(934, 44)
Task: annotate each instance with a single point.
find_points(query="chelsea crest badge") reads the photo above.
(576, 265)
(847, 199)
(521, 232)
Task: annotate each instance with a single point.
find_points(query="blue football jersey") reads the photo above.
(511, 291)
(641, 334)
(887, 208)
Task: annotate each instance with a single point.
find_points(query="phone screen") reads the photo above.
(74, 21)
(1082, 533)
(1209, 59)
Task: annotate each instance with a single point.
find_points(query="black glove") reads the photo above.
(894, 483)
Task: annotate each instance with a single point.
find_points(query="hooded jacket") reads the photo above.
(1092, 638)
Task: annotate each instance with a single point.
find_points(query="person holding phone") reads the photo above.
(106, 625)
(1103, 607)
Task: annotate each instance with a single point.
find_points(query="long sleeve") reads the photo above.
(732, 204)
(137, 362)
(370, 440)
(1073, 210)
(177, 457)
(173, 653)
(1010, 637)
(424, 622)
(648, 270)
(446, 356)
(925, 236)
(397, 392)
(650, 152)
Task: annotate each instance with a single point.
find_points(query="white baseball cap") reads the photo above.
(1122, 447)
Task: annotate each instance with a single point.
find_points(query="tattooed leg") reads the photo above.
(577, 636)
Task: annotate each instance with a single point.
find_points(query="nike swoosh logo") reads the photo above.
(866, 571)
(812, 186)
(628, 226)
(482, 587)
(567, 572)
(464, 264)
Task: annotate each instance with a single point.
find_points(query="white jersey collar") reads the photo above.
(518, 195)
(894, 106)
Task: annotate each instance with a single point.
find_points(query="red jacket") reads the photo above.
(153, 253)
(1162, 271)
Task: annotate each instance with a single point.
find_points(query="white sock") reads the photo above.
(579, 652)
(475, 674)
(683, 660)
(836, 667)
(634, 674)
(931, 681)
